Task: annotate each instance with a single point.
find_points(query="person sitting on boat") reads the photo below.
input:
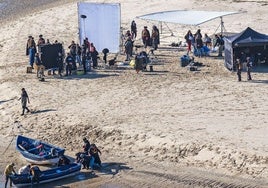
(25, 169)
(63, 160)
(86, 145)
(35, 173)
(95, 158)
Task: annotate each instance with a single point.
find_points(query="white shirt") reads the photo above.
(24, 170)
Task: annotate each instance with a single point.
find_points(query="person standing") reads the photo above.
(78, 54)
(155, 38)
(128, 48)
(84, 60)
(207, 41)
(220, 43)
(189, 37)
(94, 55)
(24, 99)
(95, 158)
(133, 29)
(86, 44)
(249, 67)
(127, 35)
(60, 63)
(239, 69)
(72, 52)
(35, 172)
(86, 145)
(39, 66)
(199, 42)
(41, 41)
(69, 63)
(145, 35)
(31, 50)
(9, 170)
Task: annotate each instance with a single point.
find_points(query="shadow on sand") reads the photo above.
(85, 76)
(42, 111)
(113, 168)
(4, 101)
(107, 169)
(259, 81)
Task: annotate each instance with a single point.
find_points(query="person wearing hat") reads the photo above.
(31, 50)
(41, 41)
(9, 170)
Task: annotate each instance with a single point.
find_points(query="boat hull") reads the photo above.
(49, 175)
(31, 151)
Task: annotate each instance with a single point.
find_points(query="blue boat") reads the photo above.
(38, 152)
(24, 180)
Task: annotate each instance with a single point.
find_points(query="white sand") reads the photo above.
(164, 127)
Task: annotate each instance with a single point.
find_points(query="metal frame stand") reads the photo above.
(221, 26)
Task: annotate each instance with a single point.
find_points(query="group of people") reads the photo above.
(89, 157)
(239, 62)
(198, 42)
(82, 55)
(33, 50)
(32, 170)
(152, 40)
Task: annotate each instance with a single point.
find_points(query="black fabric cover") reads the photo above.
(247, 38)
(49, 54)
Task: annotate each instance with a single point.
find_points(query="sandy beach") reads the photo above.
(167, 128)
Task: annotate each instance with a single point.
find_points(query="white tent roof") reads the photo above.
(185, 17)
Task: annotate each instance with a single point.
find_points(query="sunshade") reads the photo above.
(186, 17)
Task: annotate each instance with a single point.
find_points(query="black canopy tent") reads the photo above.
(252, 43)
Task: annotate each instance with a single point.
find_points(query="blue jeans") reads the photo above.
(8, 178)
(31, 56)
(92, 162)
(78, 59)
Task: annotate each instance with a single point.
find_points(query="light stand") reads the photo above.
(83, 18)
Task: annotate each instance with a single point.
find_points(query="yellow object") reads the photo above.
(132, 63)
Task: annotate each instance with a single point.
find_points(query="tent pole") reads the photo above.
(221, 26)
(169, 29)
(161, 28)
